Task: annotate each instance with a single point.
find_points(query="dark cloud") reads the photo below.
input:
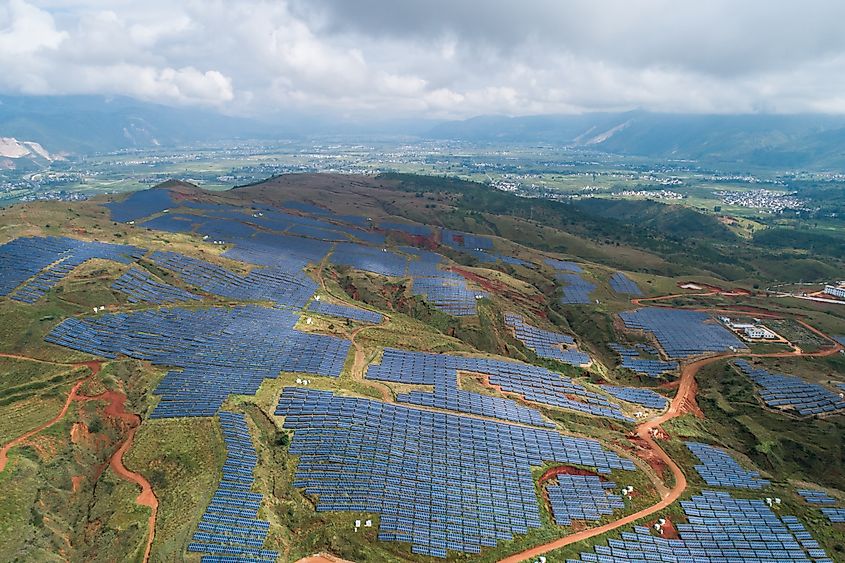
(434, 58)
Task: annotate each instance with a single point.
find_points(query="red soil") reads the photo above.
(322, 558)
(566, 470)
(668, 530)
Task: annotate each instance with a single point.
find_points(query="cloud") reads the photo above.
(433, 58)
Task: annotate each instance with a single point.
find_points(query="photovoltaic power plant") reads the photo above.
(460, 240)
(813, 496)
(835, 515)
(277, 284)
(142, 287)
(448, 292)
(32, 266)
(563, 265)
(140, 204)
(368, 259)
(576, 290)
(682, 333)
(535, 384)
(582, 497)
(439, 481)
(620, 283)
(720, 469)
(644, 397)
(408, 229)
(546, 344)
(215, 352)
(788, 392)
(230, 529)
(643, 359)
(345, 312)
(721, 529)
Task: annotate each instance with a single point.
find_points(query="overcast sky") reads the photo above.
(433, 58)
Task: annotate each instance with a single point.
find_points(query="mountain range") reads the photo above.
(86, 124)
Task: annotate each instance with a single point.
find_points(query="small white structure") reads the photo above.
(836, 290)
(758, 332)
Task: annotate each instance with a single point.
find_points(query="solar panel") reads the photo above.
(546, 344)
(720, 528)
(576, 290)
(792, 393)
(636, 395)
(229, 525)
(439, 481)
(31, 266)
(214, 352)
(533, 383)
(581, 497)
(643, 359)
(719, 469)
(345, 312)
(620, 283)
(682, 333)
(142, 287)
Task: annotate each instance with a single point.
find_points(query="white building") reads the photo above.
(836, 291)
(755, 332)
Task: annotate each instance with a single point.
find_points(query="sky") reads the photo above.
(437, 59)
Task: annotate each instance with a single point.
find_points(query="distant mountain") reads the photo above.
(772, 141)
(83, 124)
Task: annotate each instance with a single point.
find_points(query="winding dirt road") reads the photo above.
(685, 396)
(94, 366)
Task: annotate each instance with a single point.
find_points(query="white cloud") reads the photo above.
(432, 58)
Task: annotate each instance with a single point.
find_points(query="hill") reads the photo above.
(779, 142)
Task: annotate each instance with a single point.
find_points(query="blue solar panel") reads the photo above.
(216, 351)
(141, 204)
(719, 469)
(620, 283)
(643, 359)
(813, 496)
(283, 283)
(721, 529)
(636, 395)
(31, 266)
(533, 383)
(230, 525)
(440, 481)
(563, 265)
(461, 240)
(142, 287)
(576, 290)
(682, 333)
(582, 497)
(546, 344)
(376, 260)
(792, 393)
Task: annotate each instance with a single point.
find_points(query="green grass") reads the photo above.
(182, 459)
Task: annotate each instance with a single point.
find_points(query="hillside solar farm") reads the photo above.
(323, 368)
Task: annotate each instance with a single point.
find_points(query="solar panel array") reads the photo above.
(375, 260)
(576, 290)
(720, 469)
(230, 527)
(581, 497)
(216, 351)
(461, 240)
(345, 312)
(142, 287)
(721, 528)
(278, 284)
(682, 333)
(835, 515)
(645, 397)
(533, 383)
(440, 481)
(408, 228)
(140, 204)
(790, 392)
(563, 265)
(546, 344)
(620, 283)
(448, 292)
(816, 497)
(32, 266)
(632, 359)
